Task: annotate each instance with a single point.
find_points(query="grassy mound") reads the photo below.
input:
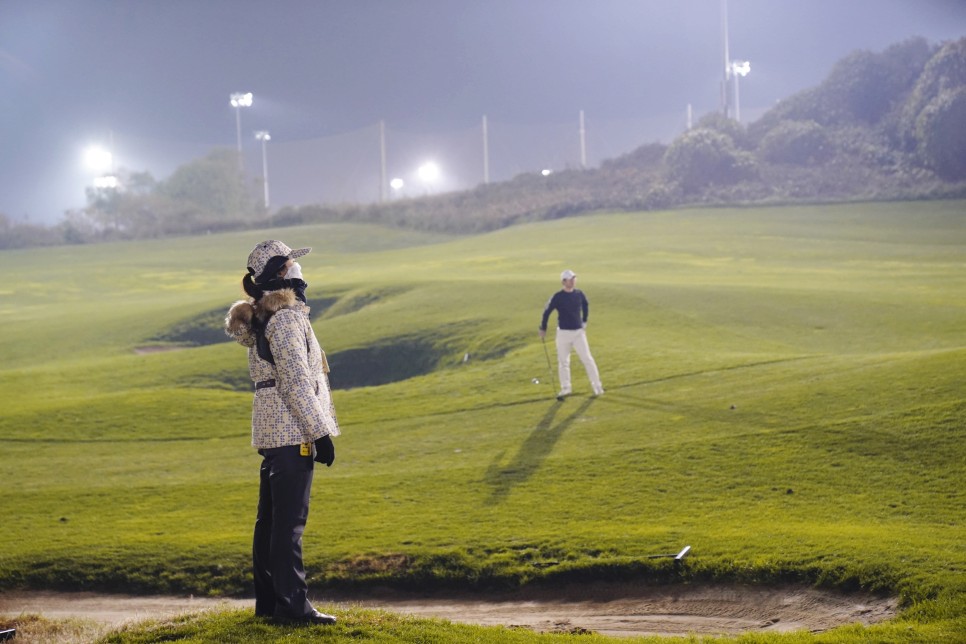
(784, 393)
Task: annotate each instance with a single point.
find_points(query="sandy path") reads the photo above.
(608, 609)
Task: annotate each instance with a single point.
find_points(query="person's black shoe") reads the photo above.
(315, 617)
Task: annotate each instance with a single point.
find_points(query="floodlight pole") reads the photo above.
(737, 104)
(238, 129)
(264, 137)
(727, 58)
(382, 161)
(583, 142)
(739, 68)
(238, 101)
(486, 152)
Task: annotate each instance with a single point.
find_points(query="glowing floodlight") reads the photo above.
(428, 172)
(740, 67)
(397, 184)
(98, 159)
(239, 99)
(546, 172)
(107, 182)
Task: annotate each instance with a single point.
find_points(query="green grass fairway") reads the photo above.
(786, 393)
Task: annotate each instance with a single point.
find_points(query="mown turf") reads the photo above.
(784, 393)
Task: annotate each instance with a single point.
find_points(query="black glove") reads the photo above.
(325, 451)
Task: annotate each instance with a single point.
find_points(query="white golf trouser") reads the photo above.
(576, 341)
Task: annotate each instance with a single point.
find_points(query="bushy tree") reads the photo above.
(645, 156)
(202, 195)
(941, 132)
(862, 88)
(728, 126)
(23, 235)
(140, 183)
(865, 86)
(796, 142)
(702, 157)
(214, 184)
(945, 71)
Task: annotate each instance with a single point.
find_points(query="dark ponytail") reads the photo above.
(251, 288)
(257, 324)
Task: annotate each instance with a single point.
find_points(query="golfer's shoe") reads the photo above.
(598, 391)
(563, 394)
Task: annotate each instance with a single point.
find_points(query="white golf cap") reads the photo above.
(260, 256)
(567, 274)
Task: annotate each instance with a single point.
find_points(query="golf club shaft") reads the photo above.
(553, 378)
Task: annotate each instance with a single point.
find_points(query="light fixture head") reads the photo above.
(107, 182)
(98, 159)
(241, 99)
(428, 172)
(740, 67)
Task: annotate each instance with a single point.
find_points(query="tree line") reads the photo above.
(881, 126)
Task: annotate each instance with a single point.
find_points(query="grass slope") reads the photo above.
(784, 393)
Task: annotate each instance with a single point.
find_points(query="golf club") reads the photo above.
(677, 557)
(553, 379)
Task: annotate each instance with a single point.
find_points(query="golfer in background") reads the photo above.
(572, 309)
(293, 420)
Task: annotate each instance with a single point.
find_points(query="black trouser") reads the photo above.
(283, 507)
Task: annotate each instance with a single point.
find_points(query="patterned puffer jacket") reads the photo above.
(293, 401)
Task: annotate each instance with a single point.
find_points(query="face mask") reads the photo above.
(294, 272)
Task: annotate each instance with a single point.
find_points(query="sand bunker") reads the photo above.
(605, 608)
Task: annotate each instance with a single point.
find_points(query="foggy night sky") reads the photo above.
(159, 73)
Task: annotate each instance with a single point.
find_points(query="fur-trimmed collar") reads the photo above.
(274, 301)
(238, 322)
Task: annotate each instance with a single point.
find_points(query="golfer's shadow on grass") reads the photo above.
(531, 454)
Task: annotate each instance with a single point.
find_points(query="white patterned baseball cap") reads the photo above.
(567, 274)
(260, 256)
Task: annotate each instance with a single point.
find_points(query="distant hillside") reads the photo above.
(882, 126)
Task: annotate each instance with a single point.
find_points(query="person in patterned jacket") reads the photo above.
(293, 422)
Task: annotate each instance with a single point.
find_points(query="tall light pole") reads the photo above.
(727, 58)
(238, 101)
(264, 137)
(382, 161)
(739, 68)
(486, 152)
(583, 142)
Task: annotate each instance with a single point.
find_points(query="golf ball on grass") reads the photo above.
(535, 381)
